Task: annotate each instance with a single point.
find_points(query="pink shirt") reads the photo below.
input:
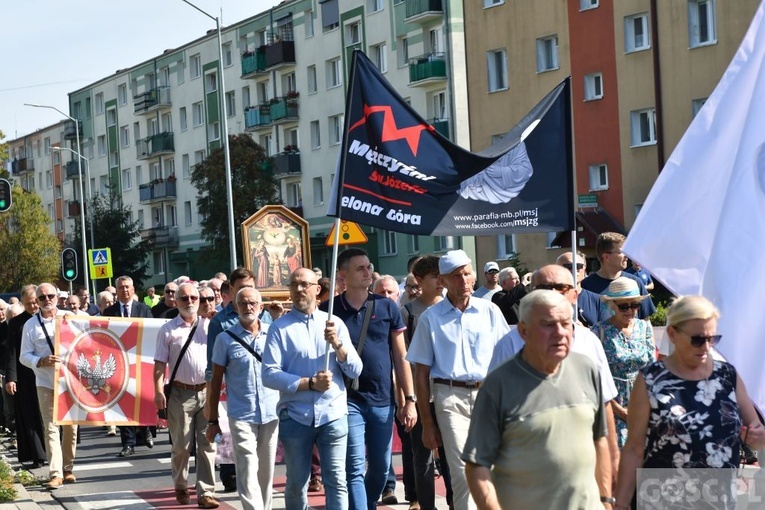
(171, 338)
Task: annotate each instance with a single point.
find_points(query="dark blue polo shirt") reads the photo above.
(375, 382)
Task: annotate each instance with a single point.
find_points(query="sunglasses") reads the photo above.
(700, 340)
(559, 287)
(209, 299)
(628, 306)
(46, 297)
(169, 291)
(188, 298)
(569, 266)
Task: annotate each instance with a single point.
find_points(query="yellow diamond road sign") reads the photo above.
(100, 263)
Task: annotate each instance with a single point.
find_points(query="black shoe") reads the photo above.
(149, 442)
(229, 483)
(127, 451)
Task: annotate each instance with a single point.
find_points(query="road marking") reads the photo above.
(103, 465)
(124, 500)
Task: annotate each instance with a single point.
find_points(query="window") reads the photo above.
(414, 244)
(185, 166)
(140, 218)
(49, 178)
(88, 108)
(187, 212)
(696, 105)
(294, 195)
(497, 70)
(444, 243)
(587, 4)
(121, 94)
(136, 131)
(265, 142)
(702, 28)
(228, 61)
(213, 131)
(352, 34)
(114, 159)
(101, 142)
(318, 191)
(334, 78)
(506, 247)
(111, 117)
(245, 97)
(164, 76)
(125, 136)
(211, 82)
(169, 166)
(46, 144)
(231, 103)
(126, 183)
(335, 129)
(389, 242)
(56, 158)
(330, 15)
(598, 177)
(402, 51)
(438, 103)
(308, 23)
(263, 92)
(636, 35)
(289, 83)
(593, 86)
(199, 156)
(99, 103)
(291, 137)
(195, 66)
(198, 114)
(643, 125)
(159, 263)
(492, 3)
(436, 40)
(547, 53)
(379, 55)
(374, 5)
(103, 185)
(315, 135)
(184, 119)
(311, 74)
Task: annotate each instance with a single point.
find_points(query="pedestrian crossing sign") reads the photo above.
(100, 263)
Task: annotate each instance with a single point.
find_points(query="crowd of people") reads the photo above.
(547, 393)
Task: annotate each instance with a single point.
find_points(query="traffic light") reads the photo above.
(69, 264)
(6, 199)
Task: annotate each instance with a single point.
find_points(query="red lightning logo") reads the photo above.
(390, 131)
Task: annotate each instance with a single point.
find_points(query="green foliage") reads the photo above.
(112, 228)
(29, 252)
(253, 186)
(519, 266)
(7, 491)
(26, 478)
(659, 318)
(4, 174)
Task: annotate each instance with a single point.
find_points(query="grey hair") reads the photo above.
(542, 297)
(383, 278)
(506, 273)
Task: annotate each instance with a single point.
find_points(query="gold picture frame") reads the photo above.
(275, 242)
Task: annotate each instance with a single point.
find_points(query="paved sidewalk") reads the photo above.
(35, 497)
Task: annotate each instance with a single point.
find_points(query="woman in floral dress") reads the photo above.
(687, 411)
(627, 342)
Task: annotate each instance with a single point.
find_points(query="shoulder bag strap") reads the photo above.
(183, 352)
(365, 326)
(409, 323)
(47, 336)
(246, 346)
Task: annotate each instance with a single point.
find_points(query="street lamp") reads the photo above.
(226, 152)
(90, 198)
(82, 194)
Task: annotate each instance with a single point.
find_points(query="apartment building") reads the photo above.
(640, 69)
(285, 72)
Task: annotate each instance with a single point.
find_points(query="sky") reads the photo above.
(52, 48)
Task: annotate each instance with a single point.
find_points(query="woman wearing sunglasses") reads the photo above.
(688, 410)
(627, 342)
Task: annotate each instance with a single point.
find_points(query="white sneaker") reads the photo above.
(112, 431)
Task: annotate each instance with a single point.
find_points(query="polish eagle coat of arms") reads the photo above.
(95, 377)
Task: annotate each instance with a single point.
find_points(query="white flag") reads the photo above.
(702, 227)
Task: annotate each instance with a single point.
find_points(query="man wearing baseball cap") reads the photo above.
(491, 287)
(453, 344)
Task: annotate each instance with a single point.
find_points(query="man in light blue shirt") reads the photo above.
(313, 406)
(251, 406)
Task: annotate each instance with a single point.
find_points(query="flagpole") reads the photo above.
(574, 271)
(333, 272)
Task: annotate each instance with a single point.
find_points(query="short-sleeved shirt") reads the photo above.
(247, 398)
(170, 340)
(597, 284)
(223, 320)
(375, 381)
(457, 345)
(537, 433)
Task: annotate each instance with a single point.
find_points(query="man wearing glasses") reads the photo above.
(589, 309)
(167, 303)
(126, 306)
(613, 262)
(37, 353)
(187, 398)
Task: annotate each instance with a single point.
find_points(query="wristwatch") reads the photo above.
(339, 345)
(608, 499)
(411, 398)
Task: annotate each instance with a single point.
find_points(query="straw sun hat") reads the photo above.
(622, 288)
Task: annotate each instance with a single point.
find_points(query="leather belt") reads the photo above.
(195, 387)
(458, 384)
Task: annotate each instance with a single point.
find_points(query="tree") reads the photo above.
(29, 252)
(3, 156)
(253, 186)
(113, 228)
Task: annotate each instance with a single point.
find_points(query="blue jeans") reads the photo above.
(370, 431)
(297, 444)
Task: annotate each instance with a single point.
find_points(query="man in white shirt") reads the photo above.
(491, 287)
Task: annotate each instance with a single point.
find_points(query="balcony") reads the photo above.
(286, 164)
(423, 11)
(73, 209)
(155, 145)
(268, 58)
(73, 170)
(157, 191)
(427, 69)
(442, 126)
(22, 165)
(151, 100)
(70, 131)
(162, 236)
(277, 110)
(253, 62)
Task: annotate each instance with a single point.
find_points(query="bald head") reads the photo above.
(555, 277)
